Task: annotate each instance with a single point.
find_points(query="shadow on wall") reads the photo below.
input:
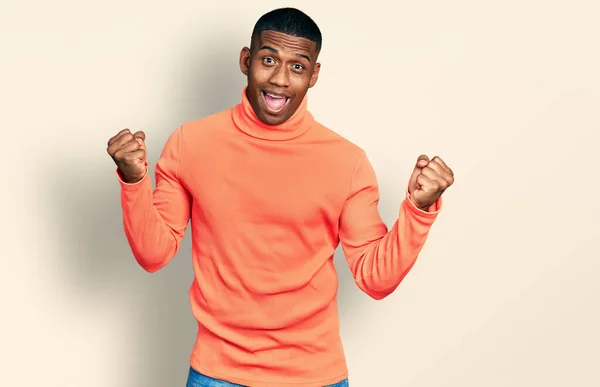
(98, 263)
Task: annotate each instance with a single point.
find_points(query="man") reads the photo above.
(271, 193)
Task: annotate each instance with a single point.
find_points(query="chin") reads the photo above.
(273, 120)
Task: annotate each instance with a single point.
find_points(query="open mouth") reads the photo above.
(275, 102)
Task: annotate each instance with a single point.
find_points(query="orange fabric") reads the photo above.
(269, 206)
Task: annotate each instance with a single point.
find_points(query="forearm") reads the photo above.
(152, 240)
(381, 265)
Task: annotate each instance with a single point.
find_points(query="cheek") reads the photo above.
(300, 81)
(260, 73)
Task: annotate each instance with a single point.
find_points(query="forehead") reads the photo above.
(284, 42)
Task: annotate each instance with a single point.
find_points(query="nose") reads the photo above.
(280, 77)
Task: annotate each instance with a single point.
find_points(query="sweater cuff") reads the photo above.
(431, 212)
(132, 186)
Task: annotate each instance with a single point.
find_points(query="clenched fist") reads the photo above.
(428, 181)
(129, 153)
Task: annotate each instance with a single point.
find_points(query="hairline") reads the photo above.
(257, 34)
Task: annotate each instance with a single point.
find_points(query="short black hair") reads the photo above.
(289, 21)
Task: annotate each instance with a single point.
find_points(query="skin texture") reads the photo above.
(128, 151)
(284, 65)
(429, 180)
(280, 64)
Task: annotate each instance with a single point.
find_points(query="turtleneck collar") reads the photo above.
(247, 121)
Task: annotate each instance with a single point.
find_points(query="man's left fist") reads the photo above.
(428, 181)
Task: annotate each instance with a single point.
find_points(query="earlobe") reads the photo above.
(245, 60)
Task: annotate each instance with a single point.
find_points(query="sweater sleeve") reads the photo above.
(380, 259)
(155, 220)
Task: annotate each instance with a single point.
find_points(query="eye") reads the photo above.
(268, 60)
(298, 67)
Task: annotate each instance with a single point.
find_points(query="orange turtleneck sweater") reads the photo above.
(269, 205)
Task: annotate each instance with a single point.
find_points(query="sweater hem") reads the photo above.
(264, 383)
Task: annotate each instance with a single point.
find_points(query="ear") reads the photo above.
(245, 60)
(315, 75)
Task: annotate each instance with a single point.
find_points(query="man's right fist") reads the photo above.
(129, 153)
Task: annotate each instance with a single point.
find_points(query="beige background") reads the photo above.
(506, 291)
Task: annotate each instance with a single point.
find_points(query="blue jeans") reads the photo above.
(196, 379)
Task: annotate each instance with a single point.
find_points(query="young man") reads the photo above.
(271, 193)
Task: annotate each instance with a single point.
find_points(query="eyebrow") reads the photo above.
(269, 48)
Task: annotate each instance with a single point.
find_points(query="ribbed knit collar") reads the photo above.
(247, 121)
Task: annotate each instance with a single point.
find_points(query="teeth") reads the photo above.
(274, 96)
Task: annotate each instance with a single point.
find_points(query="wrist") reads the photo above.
(422, 208)
(429, 211)
(417, 206)
(130, 179)
(414, 204)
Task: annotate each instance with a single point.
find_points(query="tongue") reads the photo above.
(274, 103)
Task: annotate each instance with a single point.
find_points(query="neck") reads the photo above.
(246, 120)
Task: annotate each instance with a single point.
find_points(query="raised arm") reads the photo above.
(154, 220)
(380, 259)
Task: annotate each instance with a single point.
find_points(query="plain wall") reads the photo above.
(505, 291)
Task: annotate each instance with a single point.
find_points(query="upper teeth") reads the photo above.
(275, 96)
